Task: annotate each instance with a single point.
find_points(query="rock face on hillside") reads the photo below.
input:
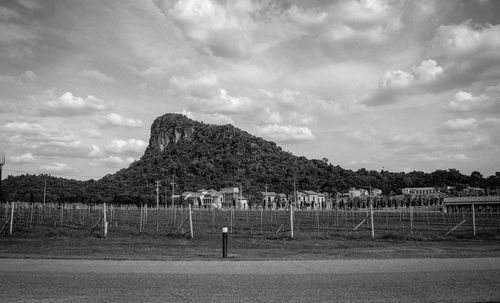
(169, 129)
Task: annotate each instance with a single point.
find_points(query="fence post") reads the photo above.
(224, 242)
(11, 218)
(473, 219)
(190, 221)
(411, 220)
(261, 210)
(105, 221)
(371, 220)
(291, 221)
(231, 219)
(140, 218)
(62, 214)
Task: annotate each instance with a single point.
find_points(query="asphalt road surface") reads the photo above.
(396, 280)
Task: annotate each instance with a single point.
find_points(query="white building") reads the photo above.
(419, 190)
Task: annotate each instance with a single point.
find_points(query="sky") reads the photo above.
(375, 84)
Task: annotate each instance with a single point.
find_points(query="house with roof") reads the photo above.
(212, 199)
(376, 192)
(415, 191)
(309, 199)
(241, 203)
(229, 196)
(281, 201)
(357, 192)
(269, 200)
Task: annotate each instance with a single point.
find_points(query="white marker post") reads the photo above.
(371, 220)
(105, 221)
(291, 221)
(473, 219)
(190, 221)
(224, 241)
(11, 218)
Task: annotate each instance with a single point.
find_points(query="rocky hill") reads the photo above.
(200, 155)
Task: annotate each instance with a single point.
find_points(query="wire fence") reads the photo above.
(126, 220)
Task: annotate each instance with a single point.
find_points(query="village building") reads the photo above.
(269, 200)
(415, 191)
(241, 203)
(472, 191)
(489, 204)
(281, 201)
(229, 196)
(212, 199)
(309, 199)
(353, 192)
(376, 192)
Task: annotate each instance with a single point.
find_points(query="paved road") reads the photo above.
(399, 280)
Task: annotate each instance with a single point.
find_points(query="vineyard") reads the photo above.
(423, 222)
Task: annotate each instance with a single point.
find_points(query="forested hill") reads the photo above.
(207, 156)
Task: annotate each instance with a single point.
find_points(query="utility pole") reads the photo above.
(294, 193)
(157, 194)
(2, 162)
(173, 186)
(44, 191)
(265, 199)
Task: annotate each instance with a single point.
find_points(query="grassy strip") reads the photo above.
(70, 243)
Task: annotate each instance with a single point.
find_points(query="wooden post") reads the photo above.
(140, 220)
(473, 219)
(31, 213)
(190, 221)
(231, 219)
(291, 221)
(11, 218)
(62, 214)
(261, 210)
(371, 219)
(411, 221)
(105, 221)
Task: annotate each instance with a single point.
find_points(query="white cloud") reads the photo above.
(223, 103)
(464, 101)
(25, 128)
(69, 105)
(120, 146)
(361, 136)
(116, 160)
(396, 83)
(24, 158)
(95, 152)
(211, 118)
(97, 75)
(397, 79)
(285, 133)
(119, 120)
(427, 71)
(203, 85)
(56, 167)
(461, 124)
(463, 40)
(215, 28)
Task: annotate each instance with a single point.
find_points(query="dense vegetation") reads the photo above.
(210, 156)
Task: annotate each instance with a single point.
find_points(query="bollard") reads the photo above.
(224, 242)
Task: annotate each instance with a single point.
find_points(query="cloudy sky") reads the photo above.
(394, 85)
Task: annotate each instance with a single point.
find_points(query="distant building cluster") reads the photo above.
(227, 197)
(231, 197)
